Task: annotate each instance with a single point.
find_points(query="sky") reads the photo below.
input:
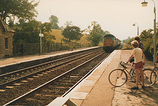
(115, 16)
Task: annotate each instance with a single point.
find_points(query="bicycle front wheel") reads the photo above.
(149, 77)
(117, 77)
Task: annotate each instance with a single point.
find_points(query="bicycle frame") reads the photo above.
(130, 72)
(126, 71)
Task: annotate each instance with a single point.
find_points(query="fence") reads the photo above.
(34, 48)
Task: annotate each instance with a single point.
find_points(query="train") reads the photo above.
(110, 43)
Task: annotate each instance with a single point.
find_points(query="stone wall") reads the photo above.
(1, 41)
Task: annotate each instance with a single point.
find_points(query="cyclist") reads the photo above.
(139, 60)
(140, 46)
(140, 43)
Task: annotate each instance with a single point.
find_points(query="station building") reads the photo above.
(6, 39)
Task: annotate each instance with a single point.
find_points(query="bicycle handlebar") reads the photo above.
(122, 64)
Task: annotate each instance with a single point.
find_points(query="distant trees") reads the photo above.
(22, 9)
(127, 43)
(54, 20)
(126, 40)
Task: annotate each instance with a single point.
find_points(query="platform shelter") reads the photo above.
(6, 39)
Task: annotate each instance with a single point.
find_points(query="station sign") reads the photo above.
(41, 35)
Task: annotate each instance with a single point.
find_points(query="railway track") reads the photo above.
(52, 77)
(15, 76)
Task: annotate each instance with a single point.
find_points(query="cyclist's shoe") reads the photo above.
(132, 81)
(143, 87)
(134, 88)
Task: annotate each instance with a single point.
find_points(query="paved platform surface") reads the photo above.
(97, 91)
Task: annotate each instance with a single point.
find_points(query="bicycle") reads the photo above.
(154, 73)
(118, 77)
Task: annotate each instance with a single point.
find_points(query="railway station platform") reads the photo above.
(17, 60)
(96, 90)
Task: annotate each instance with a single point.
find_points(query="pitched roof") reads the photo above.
(6, 27)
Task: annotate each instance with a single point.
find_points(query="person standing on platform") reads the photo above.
(140, 46)
(139, 60)
(140, 43)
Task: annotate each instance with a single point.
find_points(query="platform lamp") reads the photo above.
(137, 28)
(144, 4)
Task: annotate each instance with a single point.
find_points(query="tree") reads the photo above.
(96, 34)
(22, 9)
(54, 20)
(72, 33)
(68, 23)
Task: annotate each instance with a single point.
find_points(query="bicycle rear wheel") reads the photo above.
(149, 77)
(117, 77)
(153, 77)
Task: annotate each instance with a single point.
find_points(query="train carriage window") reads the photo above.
(109, 37)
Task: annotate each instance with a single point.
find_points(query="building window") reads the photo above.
(6, 43)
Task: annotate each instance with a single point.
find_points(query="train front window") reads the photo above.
(109, 37)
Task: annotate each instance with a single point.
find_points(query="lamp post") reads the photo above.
(144, 4)
(137, 28)
(40, 35)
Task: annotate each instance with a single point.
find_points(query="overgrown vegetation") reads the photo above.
(146, 37)
(20, 16)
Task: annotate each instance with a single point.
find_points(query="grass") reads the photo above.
(58, 35)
